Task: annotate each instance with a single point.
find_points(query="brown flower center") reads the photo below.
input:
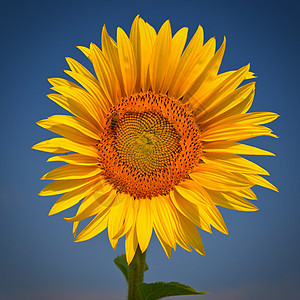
(149, 144)
(146, 142)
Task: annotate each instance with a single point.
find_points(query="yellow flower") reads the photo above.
(153, 139)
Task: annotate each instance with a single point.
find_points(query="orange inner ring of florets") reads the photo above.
(149, 144)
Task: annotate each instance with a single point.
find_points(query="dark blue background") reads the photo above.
(260, 257)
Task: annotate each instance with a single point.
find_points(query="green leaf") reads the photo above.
(158, 290)
(121, 263)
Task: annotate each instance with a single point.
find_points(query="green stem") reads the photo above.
(136, 274)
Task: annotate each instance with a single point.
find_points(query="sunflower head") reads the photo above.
(152, 139)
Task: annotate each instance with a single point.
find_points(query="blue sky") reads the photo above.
(260, 257)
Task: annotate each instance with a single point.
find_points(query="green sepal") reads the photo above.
(158, 290)
(121, 263)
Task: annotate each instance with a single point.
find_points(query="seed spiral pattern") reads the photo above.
(149, 144)
(146, 142)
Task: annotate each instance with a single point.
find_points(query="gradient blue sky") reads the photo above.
(38, 259)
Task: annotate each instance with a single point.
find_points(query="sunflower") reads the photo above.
(152, 142)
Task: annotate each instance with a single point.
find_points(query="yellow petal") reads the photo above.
(62, 145)
(82, 103)
(71, 128)
(234, 148)
(178, 43)
(74, 228)
(70, 199)
(240, 108)
(258, 180)
(81, 125)
(131, 243)
(226, 87)
(188, 209)
(186, 190)
(209, 212)
(93, 88)
(86, 51)
(246, 193)
(162, 220)
(96, 203)
(96, 226)
(233, 163)
(50, 146)
(100, 188)
(196, 68)
(160, 56)
(68, 172)
(63, 186)
(206, 207)
(76, 67)
(221, 77)
(231, 201)
(75, 159)
(116, 218)
(62, 82)
(192, 234)
(144, 223)
(142, 43)
(70, 105)
(129, 217)
(216, 179)
(152, 32)
(209, 72)
(235, 132)
(134, 38)
(166, 247)
(178, 230)
(105, 74)
(187, 60)
(213, 114)
(110, 51)
(127, 61)
(213, 217)
(255, 118)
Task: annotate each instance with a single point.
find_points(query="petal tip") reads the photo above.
(51, 212)
(68, 219)
(41, 193)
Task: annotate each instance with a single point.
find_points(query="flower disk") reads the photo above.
(152, 139)
(149, 144)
